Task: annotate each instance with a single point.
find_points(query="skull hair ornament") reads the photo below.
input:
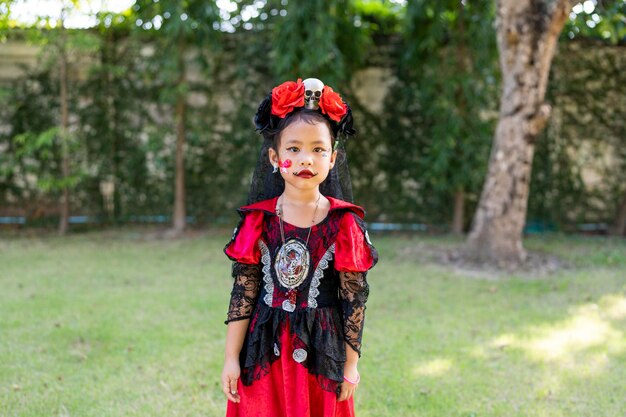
(312, 93)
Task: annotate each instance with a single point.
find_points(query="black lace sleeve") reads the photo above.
(245, 291)
(353, 292)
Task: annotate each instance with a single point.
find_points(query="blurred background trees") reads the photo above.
(161, 96)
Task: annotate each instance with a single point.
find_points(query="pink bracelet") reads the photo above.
(358, 378)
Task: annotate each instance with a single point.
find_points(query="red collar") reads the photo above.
(269, 206)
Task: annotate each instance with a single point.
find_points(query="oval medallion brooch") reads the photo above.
(292, 263)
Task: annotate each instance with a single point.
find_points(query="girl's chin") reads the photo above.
(300, 183)
(311, 182)
(314, 180)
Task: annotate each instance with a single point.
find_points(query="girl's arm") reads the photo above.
(352, 356)
(353, 291)
(230, 374)
(246, 285)
(243, 297)
(352, 359)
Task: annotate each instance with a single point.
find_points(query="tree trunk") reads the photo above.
(619, 225)
(463, 65)
(181, 108)
(458, 218)
(64, 130)
(109, 61)
(527, 32)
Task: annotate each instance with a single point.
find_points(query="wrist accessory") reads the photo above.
(358, 378)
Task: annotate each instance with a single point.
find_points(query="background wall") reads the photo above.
(577, 178)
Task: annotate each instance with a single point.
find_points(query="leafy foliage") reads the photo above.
(601, 19)
(585, 134)
(429, 140)
(320, 38)
(443, 105)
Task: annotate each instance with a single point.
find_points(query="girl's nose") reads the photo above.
(306, 160)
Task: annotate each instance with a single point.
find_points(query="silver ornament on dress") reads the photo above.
(292, 263)
(288, 306)
(299, 355)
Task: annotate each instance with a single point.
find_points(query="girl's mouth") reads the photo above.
(305, 173)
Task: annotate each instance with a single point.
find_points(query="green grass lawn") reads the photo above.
(114, 324)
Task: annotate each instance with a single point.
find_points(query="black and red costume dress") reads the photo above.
(304, 303)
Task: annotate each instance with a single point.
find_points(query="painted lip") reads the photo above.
(305, 173)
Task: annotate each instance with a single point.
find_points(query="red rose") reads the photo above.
(287, 96)
(332, 104)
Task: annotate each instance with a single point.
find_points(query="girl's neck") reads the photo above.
(300, 197)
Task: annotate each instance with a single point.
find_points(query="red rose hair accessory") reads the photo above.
(332, 104)
(310, 94)
(286, 97)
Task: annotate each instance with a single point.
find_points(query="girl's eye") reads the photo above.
(293, 147)
(320, 150)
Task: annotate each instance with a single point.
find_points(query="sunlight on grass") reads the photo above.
(614, 307)
(434, 367)
(583, 331)
(573, 342)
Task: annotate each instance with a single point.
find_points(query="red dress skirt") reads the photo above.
(288, 390)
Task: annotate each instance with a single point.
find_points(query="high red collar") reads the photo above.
(269, 206)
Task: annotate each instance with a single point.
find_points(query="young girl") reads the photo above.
(300, 256)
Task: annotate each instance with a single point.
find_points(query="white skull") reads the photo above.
(312, 93)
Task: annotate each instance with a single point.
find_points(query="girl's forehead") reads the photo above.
(290, 142)
(306, 133)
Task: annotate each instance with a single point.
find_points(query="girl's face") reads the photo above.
(305, 155)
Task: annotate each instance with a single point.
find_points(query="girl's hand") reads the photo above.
(348, 389)
(230, 375)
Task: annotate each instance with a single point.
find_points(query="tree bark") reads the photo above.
(619, 225)
(179, 222)
(109, 61)
(458, 218)
(463, 64)
(527, 32)
(64, 130)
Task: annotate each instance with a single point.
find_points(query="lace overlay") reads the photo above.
(317, 331)
(353, 291)
(243, 297)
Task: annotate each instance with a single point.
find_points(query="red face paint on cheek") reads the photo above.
(284, 165)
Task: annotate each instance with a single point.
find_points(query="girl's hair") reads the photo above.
(309, 116)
